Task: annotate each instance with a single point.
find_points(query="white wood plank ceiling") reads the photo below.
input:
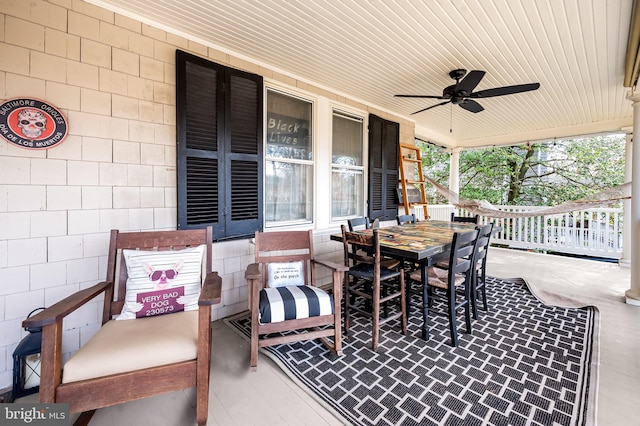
(371, 50)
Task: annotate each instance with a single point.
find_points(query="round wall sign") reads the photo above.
(32, 124)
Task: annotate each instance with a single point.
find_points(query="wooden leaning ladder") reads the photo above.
(410, 157)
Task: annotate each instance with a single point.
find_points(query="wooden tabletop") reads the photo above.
(419, 241)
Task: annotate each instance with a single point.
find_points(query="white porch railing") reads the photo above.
(592, 232)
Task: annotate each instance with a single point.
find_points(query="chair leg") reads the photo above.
(479, 291)
(254, 343)
(474, 298)
(403, 304)
(84, 418)
(483, 290)
(468, 303)
(453, 327)
(347, 307)
(385, 291)
(467, 315)
(375, 314)
(484, 299)
(407, 295)
(203, 364)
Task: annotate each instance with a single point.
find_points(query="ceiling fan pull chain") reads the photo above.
(451, 119)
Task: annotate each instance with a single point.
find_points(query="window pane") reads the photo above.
(288, 127)
(347, 193)
(347, 179)
(347, 140)
(289, 192)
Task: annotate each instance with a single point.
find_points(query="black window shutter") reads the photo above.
(219, 147)
(243, 162)
(384, 139)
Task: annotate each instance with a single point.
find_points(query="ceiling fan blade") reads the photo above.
(470, 81)
(419, 96)
(432, 106)
(506, 90)
(471, 105)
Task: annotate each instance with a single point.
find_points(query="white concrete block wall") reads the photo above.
(114, 79)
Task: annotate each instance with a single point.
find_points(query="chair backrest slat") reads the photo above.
(405, 218)
(465, 219)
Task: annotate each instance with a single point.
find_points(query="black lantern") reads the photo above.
(26, 362)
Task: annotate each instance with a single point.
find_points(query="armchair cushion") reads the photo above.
(293, 302)
(162, 282)
(122, 346)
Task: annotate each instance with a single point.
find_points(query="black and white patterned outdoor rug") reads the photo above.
(524, 364)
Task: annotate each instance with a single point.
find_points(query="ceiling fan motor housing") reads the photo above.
(457, 74)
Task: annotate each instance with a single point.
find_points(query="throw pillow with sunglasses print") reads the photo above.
(162, 282)
(164, 299)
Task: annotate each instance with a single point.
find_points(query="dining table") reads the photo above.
(422, 244)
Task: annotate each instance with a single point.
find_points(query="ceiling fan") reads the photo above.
(462, 93)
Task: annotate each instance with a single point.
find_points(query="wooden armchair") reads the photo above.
(145, 356)
(284, 301)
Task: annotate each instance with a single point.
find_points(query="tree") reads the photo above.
(542, 174)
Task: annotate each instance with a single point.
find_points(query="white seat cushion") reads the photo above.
(121, 346)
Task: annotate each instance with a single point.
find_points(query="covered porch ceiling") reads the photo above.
(371, 50)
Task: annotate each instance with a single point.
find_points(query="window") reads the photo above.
(219, 147)
(384, 148)
(347, 166)
(289, 160)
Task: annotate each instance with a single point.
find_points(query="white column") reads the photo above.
(454, 173)
(625, 260)
(633, 294)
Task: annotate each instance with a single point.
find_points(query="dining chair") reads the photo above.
(285, 301)
(458, 276)
(408, 267)
(480, 258)
(405, 218)
(366, 281)
(465, 219)
(479, 278)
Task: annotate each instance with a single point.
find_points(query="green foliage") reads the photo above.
(542, 174)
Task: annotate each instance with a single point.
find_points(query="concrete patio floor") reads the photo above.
(268, 397)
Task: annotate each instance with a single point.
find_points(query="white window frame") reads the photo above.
(361, 169)
(311, 186)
